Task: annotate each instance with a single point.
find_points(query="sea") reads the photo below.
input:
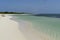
(47, 25)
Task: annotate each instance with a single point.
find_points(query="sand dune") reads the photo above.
(9, 30)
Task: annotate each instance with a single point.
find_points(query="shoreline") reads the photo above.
(23, 26)
(30, 33)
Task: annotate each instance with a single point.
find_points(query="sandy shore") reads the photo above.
(27, 29)
(19, 30)
(9, 30)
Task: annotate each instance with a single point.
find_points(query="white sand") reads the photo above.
(9, 30)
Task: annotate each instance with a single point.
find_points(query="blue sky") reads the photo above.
(34, 6)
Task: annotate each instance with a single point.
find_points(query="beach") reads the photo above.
(31, 34)
(13, 29)
(9, 30)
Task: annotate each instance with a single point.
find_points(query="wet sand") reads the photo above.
(31, 33)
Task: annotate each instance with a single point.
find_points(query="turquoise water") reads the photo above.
(47, 25)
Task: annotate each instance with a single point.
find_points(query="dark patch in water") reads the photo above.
(49, 15)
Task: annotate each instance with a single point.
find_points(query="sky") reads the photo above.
(34, 6)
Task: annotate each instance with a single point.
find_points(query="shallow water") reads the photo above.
(47, 25)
